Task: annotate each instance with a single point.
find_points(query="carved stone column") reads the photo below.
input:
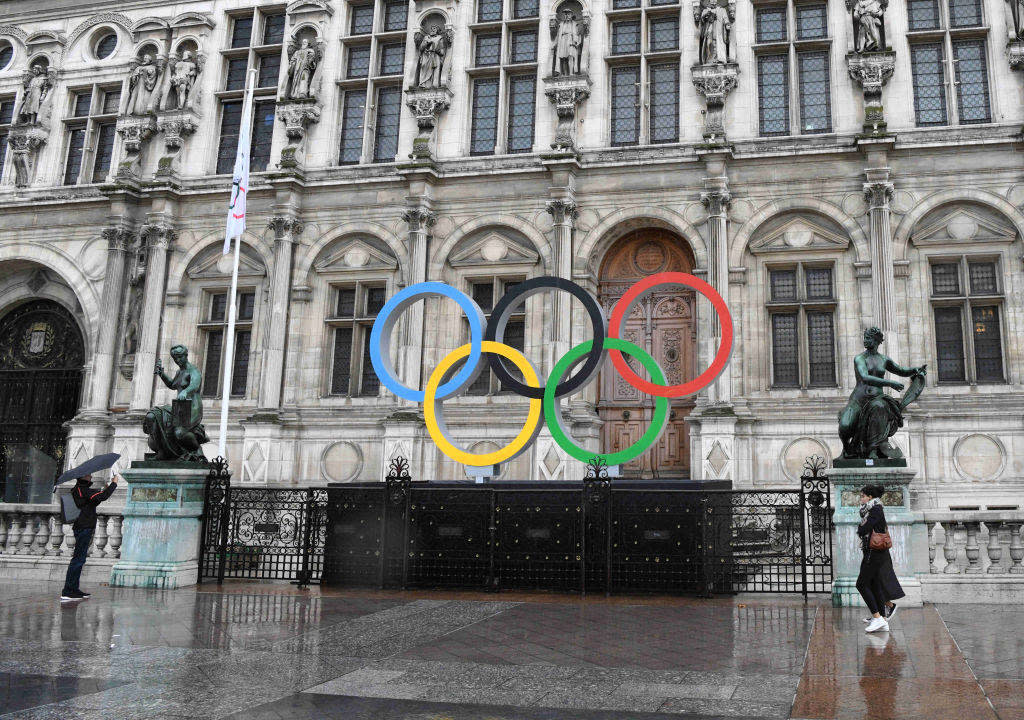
(567, 93)
(118, 238)
(715, 82)
(716, 199)
(420, 219)
(159, 237)
(176, 126)
(136, 132)
(427, 104)
(25, 142)
(872, 71)
(286, 231)
(878, 192)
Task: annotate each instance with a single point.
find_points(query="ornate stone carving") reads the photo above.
(37, 95)
(25, 142)
(1015, 54)
(305, 61)
(427, 104)
(872, 71)
(433, 42)
(878, 193)
(562, 211)
(285, 226)
(716, 201)
(176, 126)
(297, 116)
(420, 219)
(570, 42)
(182, 90)
(136, 262)
(868, 24)
(143, 81)
(714, 22)
(715, 82)
(136, 132)
(1017, 13)
(567, 93)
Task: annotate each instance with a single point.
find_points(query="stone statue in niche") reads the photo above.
(432, 45)
(715, 24)
(868, 30)
(176, 431)
(304, 59)
(567, 36)
(1017, 11)
(142, 84)
(35, 99)
(184, 73)
(871, 417)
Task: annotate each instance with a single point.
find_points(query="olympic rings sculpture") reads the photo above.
(486, 346)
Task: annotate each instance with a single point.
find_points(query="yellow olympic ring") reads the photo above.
(435, 421)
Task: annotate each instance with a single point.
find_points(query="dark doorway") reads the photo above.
(41, 357)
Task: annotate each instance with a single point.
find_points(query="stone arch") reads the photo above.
(67, 268)
(540, 243)
(901, 236)
(16, 37)
(178, 270)
(304, 264)
(119, 20)
(604, 235)
(820, 207)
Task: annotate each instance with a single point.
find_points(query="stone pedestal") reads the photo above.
(872, 70)
(162, 525)
(567, 93)
(715, 81)
(427, 105)
(906, 527)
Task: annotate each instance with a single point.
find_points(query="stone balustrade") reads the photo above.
(36, 530)
(972, 542)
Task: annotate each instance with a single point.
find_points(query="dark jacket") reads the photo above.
(87, 498)
(875, 522)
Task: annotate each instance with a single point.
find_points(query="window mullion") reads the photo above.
(950, 69)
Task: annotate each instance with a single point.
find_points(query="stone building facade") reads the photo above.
(826, 166)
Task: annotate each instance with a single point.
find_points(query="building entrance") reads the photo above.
(41, 357)
(664, 323)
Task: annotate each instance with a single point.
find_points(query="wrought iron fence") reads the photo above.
(597, 535)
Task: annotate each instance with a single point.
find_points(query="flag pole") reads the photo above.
(229, 340)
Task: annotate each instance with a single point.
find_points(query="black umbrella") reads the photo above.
(100, 462)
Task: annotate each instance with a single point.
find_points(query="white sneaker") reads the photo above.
(868, 619)
(876, 625)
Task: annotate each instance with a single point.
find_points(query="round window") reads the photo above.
(6, 53)
(105, 45)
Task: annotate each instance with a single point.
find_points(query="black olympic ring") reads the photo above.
(499, 319)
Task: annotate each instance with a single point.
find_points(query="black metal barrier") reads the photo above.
(597, 535)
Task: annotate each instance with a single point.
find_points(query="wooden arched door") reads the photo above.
(664, 323)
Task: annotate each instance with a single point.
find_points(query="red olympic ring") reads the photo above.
(724, 349)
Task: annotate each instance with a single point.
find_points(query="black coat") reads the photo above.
(878, 563)
(87, 498)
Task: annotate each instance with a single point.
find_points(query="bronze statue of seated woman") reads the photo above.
(871, 417)
(176, 431)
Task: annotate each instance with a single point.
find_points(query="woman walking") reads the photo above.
(877, 581)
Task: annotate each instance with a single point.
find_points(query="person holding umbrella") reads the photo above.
(86, 499)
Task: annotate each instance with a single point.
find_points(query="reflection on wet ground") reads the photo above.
(272, 651)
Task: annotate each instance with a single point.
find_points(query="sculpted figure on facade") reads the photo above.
(432, 45)
(182, 90)
(871, 417)
(176, 431)
(567, 33)
(1017, 12)
(715, 24)
(868, 29)
(304, 60)
(142, 84)
(35, 99)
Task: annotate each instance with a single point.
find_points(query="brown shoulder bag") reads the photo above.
(880, 540)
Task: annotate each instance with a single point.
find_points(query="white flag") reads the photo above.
(240, 181)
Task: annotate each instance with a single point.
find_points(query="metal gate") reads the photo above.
(594, 536)
(260, 533)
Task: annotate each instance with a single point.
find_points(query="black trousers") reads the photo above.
(870, 584)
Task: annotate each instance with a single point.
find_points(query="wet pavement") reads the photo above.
(272, 651)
